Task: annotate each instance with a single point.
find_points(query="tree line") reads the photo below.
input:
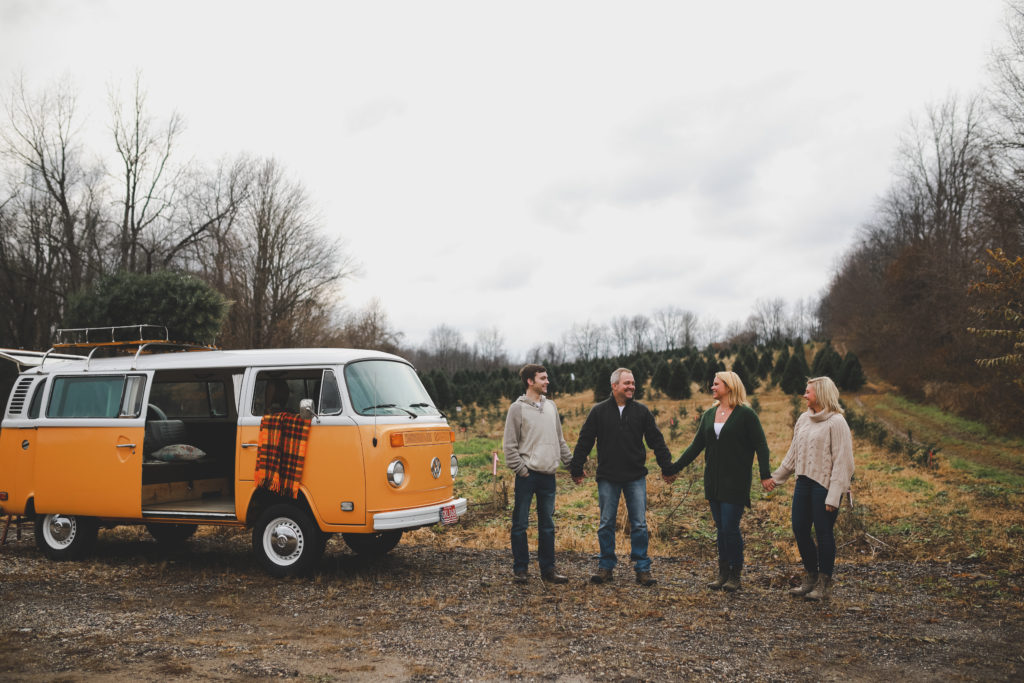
(931, 293)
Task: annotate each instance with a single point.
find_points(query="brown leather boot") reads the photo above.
(645, 579)
(733, 582)
(552, 576)
(807, 584)
(723, 576)
(823, 591)
(602, 576)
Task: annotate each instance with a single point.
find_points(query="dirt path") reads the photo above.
(207, 613)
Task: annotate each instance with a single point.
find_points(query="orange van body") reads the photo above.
(170, 440)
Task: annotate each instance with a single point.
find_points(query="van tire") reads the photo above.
(65, 537)
(287, 541)
(373, 545)
(171, 534)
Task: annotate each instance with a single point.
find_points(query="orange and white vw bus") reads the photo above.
(81, 438)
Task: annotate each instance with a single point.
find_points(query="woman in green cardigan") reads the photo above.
(729, 433)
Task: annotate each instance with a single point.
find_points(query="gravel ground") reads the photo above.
(140, 612)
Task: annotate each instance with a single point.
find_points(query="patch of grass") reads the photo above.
(941, 417)
(477, 445)
(996, 474)
(914, 485)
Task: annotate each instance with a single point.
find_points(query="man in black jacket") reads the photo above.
(620, 426)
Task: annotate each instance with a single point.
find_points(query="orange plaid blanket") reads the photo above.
(282, 452)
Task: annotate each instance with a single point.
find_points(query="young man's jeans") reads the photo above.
(635, 492)
(809, 508)
(543, 486)
(730, 541)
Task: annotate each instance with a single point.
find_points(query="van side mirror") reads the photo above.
(306, 410)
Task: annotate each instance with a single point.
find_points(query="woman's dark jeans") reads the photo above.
(730, 541)
(809, 508)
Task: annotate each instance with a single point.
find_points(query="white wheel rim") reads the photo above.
(59, 531)
(283, 541)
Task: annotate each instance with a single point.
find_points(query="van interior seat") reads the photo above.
(160, 433)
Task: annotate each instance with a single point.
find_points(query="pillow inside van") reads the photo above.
(178, 452)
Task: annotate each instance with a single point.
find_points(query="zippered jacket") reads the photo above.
(621, 455)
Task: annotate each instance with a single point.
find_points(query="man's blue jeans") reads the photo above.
(608, 493)
(809, 508)
(543, 486)
(730, 540)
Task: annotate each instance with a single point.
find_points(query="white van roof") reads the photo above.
(187, 360)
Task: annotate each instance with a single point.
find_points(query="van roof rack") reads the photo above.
(120, 338)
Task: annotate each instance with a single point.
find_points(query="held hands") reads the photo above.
(669, 478)
(830, 508)
(768, 484)
(577, 480)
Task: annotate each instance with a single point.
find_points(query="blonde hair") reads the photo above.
(737, 395)
(827, 393)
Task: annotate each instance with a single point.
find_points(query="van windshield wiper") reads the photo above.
(428, 405)
(411, 414)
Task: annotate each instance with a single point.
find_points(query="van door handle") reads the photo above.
(250, 445)
(126, 445)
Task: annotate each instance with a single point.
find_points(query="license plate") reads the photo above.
(449, 515)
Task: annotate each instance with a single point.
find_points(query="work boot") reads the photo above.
(602, 576)
(732, 583)
(520, 577)
(807, 584)
(823, 591)
(551, 576)
(723, 576)
(645, 579)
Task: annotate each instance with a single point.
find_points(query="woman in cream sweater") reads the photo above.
(821, 456)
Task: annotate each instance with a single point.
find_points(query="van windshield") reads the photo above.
(384, 387)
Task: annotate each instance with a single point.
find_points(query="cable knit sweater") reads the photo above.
(822, 449)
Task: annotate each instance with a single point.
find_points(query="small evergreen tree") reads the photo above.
(851, 375)
(764, 364)
(662, 373)
(740, 368)
(679, 382)
(780, 365)
(794, 378)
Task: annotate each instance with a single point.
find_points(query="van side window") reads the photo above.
(330, 395)
(37, 400)
(86, 397)
(190, 399)
(279, 391)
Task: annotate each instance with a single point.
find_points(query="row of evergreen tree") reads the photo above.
(671, 373)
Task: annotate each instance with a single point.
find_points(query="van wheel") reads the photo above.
(373, 544)
(171, 534)
(65, 537)
(287, 541)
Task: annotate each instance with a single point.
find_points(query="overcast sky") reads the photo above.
(527, 165)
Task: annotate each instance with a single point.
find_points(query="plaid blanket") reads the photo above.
(282, 452)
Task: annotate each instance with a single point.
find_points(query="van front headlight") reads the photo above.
(454, 465)
(396, 473)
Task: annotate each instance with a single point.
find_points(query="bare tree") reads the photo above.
(619, 336)
(369, 328)
(287, 270)
(586, 341)
(640, 333)
(673, 328)
(447, 348)
(148, 182)
(490, 348)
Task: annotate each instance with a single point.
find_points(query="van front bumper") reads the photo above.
(416, 517)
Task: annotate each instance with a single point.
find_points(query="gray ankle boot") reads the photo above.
(806, 585)
(823, 591)
(723, 576)
(733, 582)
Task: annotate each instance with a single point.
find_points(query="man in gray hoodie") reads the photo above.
(533, 446)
